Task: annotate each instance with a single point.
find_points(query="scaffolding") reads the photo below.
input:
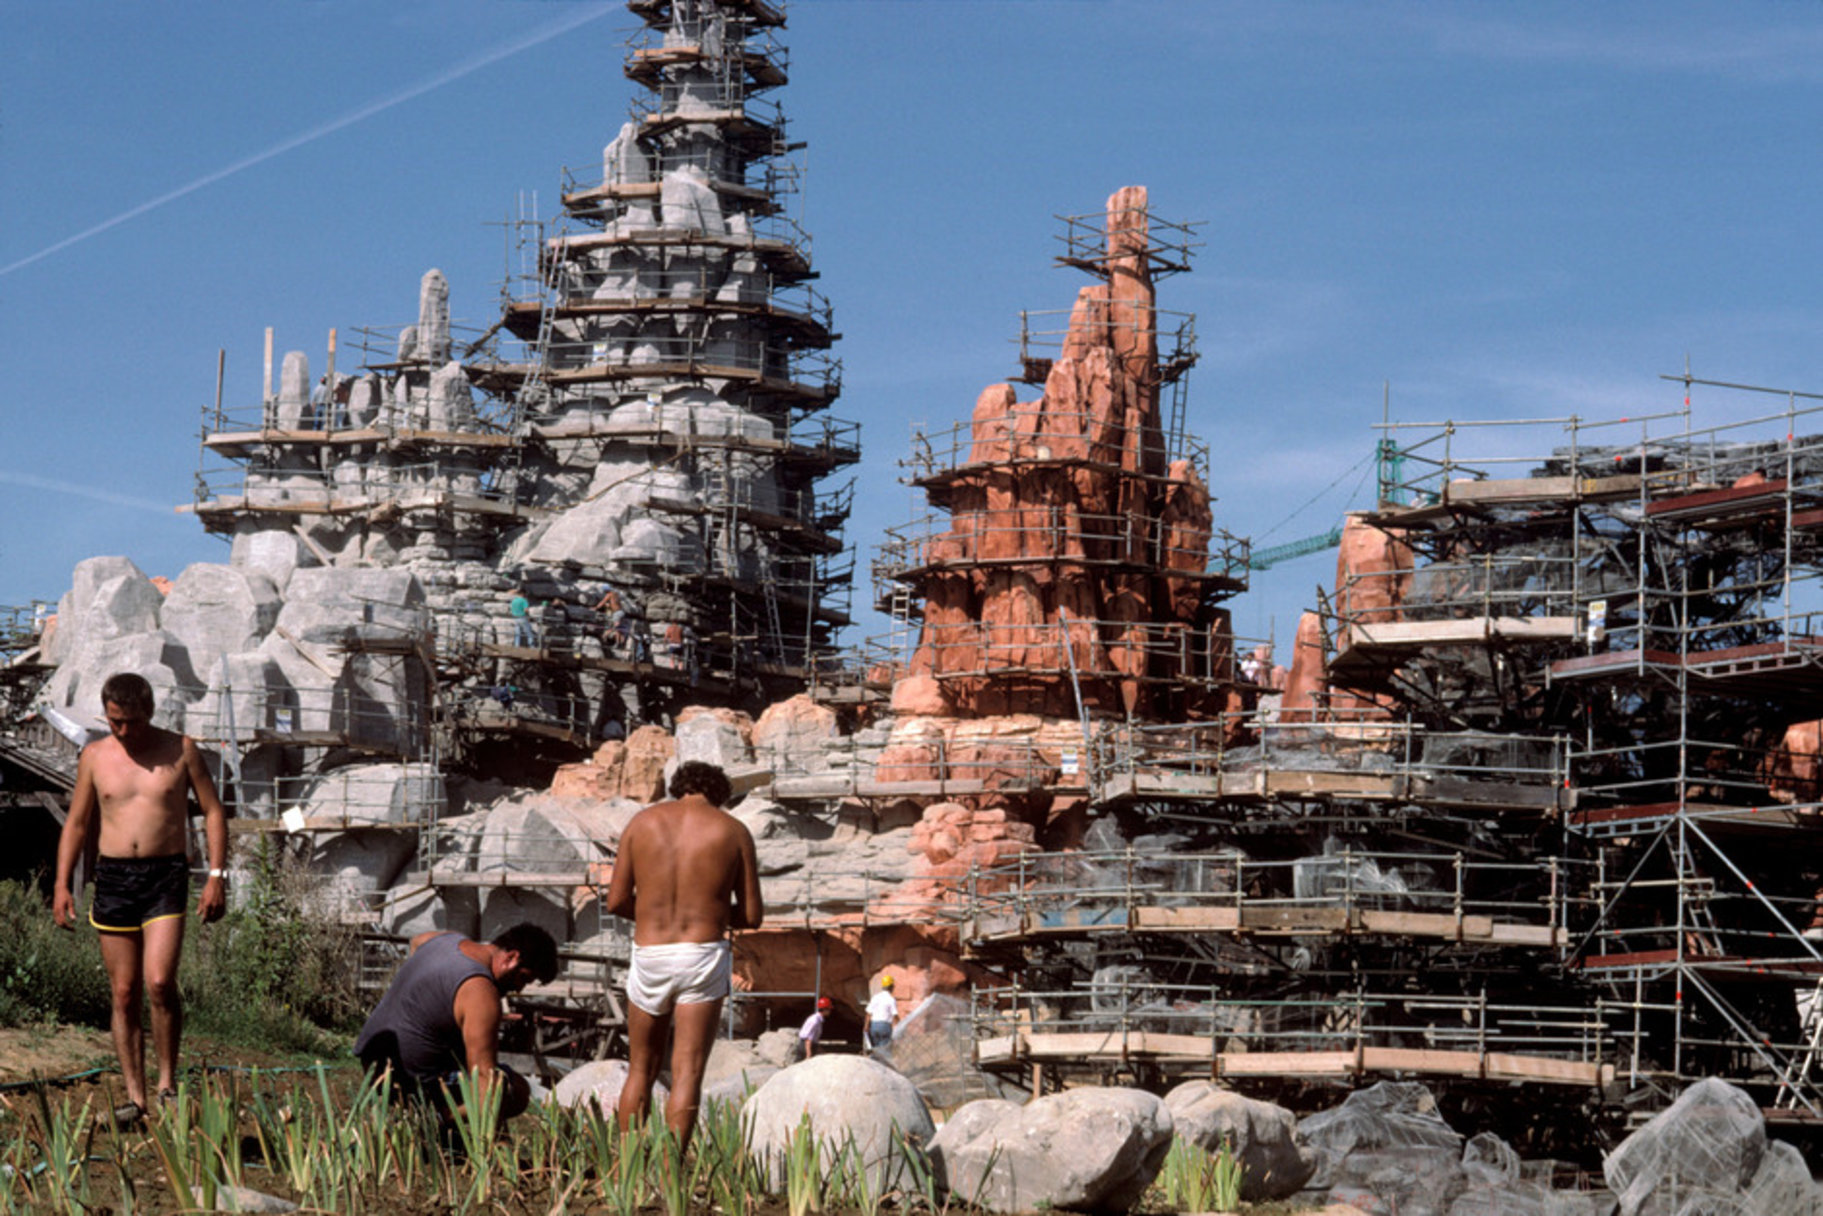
(1648, 587)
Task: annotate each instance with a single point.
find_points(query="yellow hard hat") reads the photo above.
(886, 981)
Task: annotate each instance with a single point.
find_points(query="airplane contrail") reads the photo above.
(462, 69)
(57, 486)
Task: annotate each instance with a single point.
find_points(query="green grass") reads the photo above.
(266, 976)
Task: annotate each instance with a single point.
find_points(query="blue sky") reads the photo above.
(1498, 210)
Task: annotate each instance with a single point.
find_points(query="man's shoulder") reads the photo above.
(101, 749)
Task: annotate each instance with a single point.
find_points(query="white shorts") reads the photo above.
(680, 973)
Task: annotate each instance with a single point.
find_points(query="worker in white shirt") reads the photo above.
(882, 1012)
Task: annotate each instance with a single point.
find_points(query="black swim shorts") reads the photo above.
(132, 892)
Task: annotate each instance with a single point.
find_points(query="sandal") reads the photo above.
(128, 1115)
(167, 1097)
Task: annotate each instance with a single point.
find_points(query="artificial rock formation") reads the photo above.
(1076, 542)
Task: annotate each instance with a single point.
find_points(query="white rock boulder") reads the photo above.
(845, 1098)
(1088, 1150)
(1263, 1137)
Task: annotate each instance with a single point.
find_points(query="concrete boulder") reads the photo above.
(86, 581)
(1783, 1184)
(1263, 1137)
(1089, 1150)
(353, 868)
(715, 737)
(588, 532)
(411, 909)
(1385, 1115)
(738, 1067)
(543, 834)
(374, 795)
(791, 735)
(217, 610)
(243, 694)
(328, 603)
(845, 1097)
(599, 1082)
(156, 655)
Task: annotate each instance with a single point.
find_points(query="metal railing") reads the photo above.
(355, 484)
(1065, 892)
(1490, 585)
(1093, 650)
(1123, 1010)
(1044, 534)
(989, 763)
(346, 714)
(1044, 334)
(1037, 432)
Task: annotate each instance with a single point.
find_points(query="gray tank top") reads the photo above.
(414, 1025)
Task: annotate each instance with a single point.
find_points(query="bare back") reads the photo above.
(141, 792)
(685, 872)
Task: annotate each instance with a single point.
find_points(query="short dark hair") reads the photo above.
(537, 949)
(701, 777)
(129, 690)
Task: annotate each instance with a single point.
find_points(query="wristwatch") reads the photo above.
(221, 874)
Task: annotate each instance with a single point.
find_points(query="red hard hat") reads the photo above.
(824, 1002)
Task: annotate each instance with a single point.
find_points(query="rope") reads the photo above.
(1320, 493)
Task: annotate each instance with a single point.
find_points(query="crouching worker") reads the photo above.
(440, 1017)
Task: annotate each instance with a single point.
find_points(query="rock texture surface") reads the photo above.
(1076, 544)
(1262, 1136)
(1087, 1150)
(842, 1096)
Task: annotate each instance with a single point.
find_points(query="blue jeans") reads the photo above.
(523, 633)
(879, 1034)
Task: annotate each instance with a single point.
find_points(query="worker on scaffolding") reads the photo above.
(519, 608)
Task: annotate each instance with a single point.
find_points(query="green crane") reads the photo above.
(1389, 464)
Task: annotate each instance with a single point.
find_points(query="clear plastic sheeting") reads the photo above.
(1782, 1185)
(1488, 1158)
(1707, 1146)
(934, 1049)
(1406, 1180)
(1337, 874)
(1389, 1114)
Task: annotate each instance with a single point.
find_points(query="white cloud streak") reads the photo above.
(54, 485)
(448, 76)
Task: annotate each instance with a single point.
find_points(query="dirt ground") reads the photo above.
(51, 1051)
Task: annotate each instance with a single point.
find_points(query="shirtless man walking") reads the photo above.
(685, 874)
(140, 777)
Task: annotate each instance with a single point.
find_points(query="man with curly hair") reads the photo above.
(685, 875)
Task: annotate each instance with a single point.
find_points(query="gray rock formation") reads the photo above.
(1262, 1136)
(217, 610)
(599, 1082)
(843, 1096)
(1088, 1150)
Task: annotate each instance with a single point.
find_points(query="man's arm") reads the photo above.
(622, 896)
(69, 844)
(749, 910)
(478, 1016)
(214, 900)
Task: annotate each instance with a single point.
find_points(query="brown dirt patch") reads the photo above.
(46, 1052)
